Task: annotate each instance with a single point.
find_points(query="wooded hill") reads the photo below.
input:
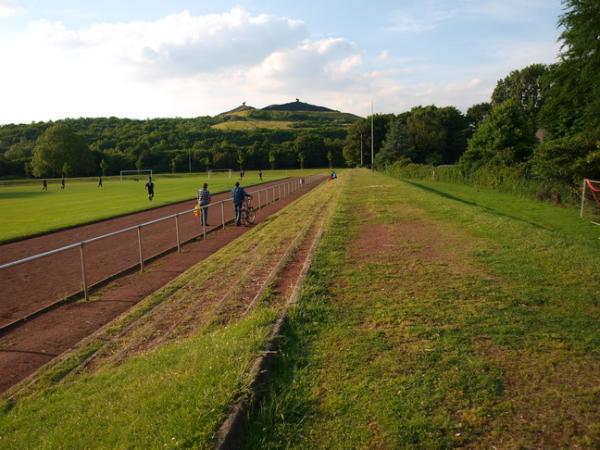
(278, 136)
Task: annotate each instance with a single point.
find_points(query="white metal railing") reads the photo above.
(276, 192)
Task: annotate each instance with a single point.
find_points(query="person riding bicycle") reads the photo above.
(238, 195)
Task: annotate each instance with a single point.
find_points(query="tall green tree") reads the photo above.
(103, 167)
(272, 159)
(362, 128)
(58, 146)
(573, 101)
(240, 158)
(504, 138)
(476, 114)
(301, 158)
(527, 87)
(398, 145)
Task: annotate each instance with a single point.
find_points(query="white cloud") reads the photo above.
(9, 8)
(134, 68)
(186, 65)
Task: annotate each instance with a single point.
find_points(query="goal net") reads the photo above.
(590, 200)
(215, 172)
(135, 174)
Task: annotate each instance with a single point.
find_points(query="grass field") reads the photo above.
(441, 316)
(145, 390)
(27, 210)
(433, 316)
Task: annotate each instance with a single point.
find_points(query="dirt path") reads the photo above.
(37, 341)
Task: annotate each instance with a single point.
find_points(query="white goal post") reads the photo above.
(210, 172)
(590, 200)
(135, 172)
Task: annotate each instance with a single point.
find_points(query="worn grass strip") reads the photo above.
(432, 323)
(174, 395)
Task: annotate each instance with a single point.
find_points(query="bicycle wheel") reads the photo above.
(250, 215)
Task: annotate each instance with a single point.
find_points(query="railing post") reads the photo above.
(222, 214)
(83, 272)
(273, 194)
(203, 222)
(177, 232)
(258, 199)
(139, 233)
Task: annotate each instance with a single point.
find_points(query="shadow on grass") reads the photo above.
(17, 195)
(475, 204)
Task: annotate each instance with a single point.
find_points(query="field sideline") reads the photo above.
(27, 210)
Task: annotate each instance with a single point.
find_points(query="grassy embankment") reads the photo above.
(27, 210)
(439, 316)
(164, 374)
(284, 120)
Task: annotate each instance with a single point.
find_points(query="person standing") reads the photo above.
(100, 181)
(150, 188)
(62, 181)
(238, 195)
(45, 185)
(204, 201)
(260, 174)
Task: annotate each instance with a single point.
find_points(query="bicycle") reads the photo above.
(248, 215)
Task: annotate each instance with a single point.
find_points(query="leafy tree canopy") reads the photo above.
(527, 87)
(573, 101)
(59, 148)
(504, 138)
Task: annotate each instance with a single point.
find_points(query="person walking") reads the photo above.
(260, 174)
(150, 188)
(204, 201)
(45, 185)
(238, 195)
(100, 181)
(62, 181)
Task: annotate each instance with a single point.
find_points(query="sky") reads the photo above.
(175, 58)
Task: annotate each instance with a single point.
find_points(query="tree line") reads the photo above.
(542, 121)
(82, 147)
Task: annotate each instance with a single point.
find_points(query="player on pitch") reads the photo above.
(150, 188)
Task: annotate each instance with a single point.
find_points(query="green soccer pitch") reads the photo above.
(26, 210)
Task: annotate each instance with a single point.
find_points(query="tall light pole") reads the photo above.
(372, 134)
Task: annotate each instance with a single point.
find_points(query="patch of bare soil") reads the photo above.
(415, 240)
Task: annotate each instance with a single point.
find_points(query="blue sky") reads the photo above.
(167, 58)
